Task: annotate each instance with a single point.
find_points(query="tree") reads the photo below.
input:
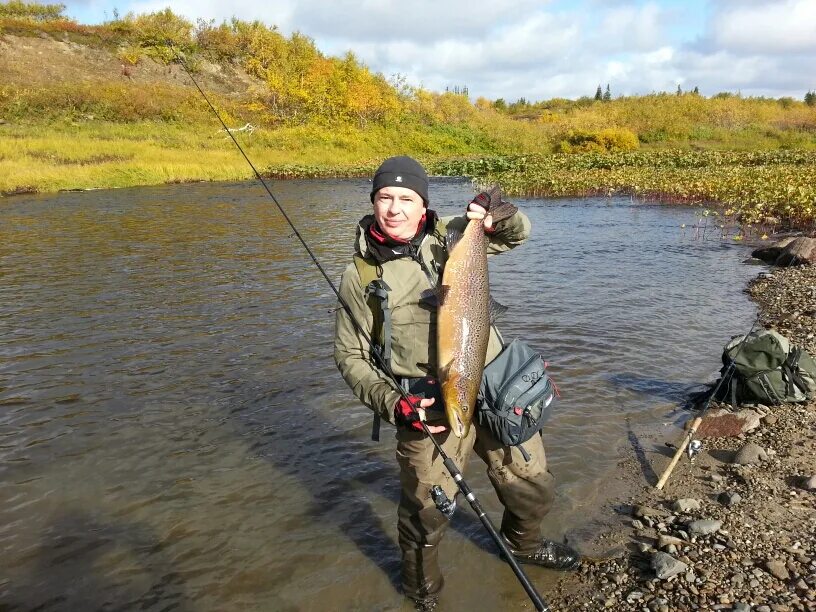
(607, 94)
(696, 91)
(679, 91)
(500, 104)
(810, 98)
(599, 93)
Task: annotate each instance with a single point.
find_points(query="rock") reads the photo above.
(666, 540)
(789, 252)
(686, 505)
(665, 566)
(750, 454)
(644, 511)
(704, 527)
(809, 483)
(741, 607)
(729, 498)
(777, 569)
(721, 423)
(770, 419)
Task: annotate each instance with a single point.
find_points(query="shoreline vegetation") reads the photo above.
(105, 106)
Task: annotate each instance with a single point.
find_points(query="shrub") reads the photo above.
(609, 139)
(31, 10)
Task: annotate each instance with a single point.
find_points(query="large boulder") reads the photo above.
(722, 423)
(791, 251)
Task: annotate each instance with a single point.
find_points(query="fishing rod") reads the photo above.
(449, 464)
(695, 424)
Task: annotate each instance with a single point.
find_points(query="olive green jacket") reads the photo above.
(413, 335)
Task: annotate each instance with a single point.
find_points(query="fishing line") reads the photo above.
(450, 465)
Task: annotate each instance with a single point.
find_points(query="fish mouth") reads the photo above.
(457, 426)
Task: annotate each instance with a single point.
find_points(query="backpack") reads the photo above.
(767, 369)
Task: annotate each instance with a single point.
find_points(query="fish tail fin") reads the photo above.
(502, 211)
(489, 198)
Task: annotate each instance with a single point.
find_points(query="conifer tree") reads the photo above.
(607, 94)
(599, 93)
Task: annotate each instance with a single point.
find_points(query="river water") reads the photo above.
(174, 434)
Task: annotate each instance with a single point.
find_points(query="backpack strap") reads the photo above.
(791, 368)
(376, 293)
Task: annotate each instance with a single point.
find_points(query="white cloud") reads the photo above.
(535, 49)
(770, 27)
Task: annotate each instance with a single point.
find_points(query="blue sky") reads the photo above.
(538, 49)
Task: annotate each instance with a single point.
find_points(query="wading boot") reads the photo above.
(551, 555)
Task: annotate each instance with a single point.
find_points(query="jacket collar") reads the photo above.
(367, 246)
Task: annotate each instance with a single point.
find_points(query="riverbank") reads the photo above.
(731, 537)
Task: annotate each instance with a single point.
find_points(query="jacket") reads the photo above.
(413, 319)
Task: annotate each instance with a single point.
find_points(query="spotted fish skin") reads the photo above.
(463, 320)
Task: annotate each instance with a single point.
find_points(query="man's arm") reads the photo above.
(352, 351)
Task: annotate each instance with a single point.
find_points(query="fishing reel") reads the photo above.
(693, 449)
(443, 504)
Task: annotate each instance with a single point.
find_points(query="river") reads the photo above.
(174, 434)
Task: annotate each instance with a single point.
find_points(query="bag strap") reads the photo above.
(791, 368)
(376, 293)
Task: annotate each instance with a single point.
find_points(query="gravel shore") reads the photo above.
(721, 535)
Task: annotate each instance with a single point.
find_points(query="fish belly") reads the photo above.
(463, 325)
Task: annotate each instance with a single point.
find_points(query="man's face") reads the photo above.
(398, 211)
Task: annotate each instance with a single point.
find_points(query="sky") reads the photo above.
(539, 49)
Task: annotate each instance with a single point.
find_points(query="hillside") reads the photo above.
(110, 105)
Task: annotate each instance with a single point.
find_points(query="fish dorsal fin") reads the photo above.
(495, 310)
(454, 235)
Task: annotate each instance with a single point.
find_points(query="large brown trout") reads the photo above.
(463, 320)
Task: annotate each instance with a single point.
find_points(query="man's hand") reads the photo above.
(474, 211)
(411, 411)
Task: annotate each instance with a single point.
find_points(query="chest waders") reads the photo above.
(454, 471)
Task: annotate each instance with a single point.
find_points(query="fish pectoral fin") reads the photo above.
(444, 372)
(495, 310)
(454, 235)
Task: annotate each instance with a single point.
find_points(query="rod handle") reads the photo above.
(680, 449)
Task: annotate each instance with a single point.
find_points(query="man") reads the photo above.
(389, 288)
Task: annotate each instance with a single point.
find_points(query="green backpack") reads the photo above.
(767, 369)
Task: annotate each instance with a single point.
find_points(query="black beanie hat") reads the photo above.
(401, 171)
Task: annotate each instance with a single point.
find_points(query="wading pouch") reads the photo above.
(516, 394)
